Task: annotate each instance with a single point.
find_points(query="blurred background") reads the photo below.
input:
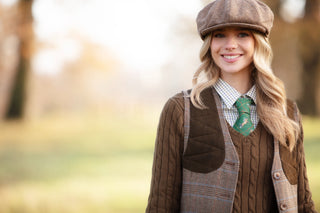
(82, 85)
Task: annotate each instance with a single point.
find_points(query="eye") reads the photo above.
(218, 35)
(243, 34)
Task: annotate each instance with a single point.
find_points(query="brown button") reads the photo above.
(283, 206)
(276, 175)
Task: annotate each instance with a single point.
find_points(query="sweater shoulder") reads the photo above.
(175, 102)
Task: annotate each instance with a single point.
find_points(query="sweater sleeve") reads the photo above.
(305, 202)
(165, 190)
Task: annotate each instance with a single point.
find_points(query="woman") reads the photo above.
(233, 143)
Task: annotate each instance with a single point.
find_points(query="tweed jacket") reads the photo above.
(194, 168)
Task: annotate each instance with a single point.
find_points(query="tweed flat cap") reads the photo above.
(250, 14)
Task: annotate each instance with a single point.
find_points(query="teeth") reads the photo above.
(231, 56)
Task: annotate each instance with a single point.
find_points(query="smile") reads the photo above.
(231, 56)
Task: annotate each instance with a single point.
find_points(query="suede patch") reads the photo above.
(205, 151)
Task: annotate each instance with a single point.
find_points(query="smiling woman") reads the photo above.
(233, 143)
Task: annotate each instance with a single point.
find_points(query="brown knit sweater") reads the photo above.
(254, 191)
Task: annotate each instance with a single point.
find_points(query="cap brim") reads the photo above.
(258, 28)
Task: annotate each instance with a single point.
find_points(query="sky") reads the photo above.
(135, 31)
(131, 29)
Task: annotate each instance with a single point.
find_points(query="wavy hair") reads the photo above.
(271, 96)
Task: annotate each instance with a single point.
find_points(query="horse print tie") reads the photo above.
(243, 123)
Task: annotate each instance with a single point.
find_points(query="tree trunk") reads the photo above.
(8, 56)
(309, 50)
(25, 34)
(312, 10)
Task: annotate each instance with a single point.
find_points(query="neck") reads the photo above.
(241, 82)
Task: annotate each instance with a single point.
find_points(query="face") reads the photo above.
(232, 50)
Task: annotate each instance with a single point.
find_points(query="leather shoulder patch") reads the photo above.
(205, 151)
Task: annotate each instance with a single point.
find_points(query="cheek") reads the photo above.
(215, 56)
(250, 46)
(214, 48)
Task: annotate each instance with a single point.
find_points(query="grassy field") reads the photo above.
(93, 162)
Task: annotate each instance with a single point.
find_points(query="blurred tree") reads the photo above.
(284, 39)
(275, 6)
(309, 50)
(8, 55)
(85, 82)
(25, 35)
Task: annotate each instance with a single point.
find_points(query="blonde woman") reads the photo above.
(233, 143)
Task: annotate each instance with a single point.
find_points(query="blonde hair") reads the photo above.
(271, 96)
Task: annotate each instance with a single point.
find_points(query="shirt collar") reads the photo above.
(229, 95)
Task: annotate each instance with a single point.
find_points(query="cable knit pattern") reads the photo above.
(237, 198)
(254, 183)
(254, 174)
(305, 203)
(308, 205)
(165, 189)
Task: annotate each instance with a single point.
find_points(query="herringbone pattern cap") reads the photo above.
(249, 14)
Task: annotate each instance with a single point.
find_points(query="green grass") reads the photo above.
(312, 147)
(77, 163)
(94, 162)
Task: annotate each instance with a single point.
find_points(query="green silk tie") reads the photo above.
(243, 123)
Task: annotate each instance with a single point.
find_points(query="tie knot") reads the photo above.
(243, 104)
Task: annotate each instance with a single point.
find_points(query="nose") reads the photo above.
(231, 43)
